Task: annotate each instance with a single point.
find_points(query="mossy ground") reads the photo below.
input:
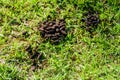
(79, 57)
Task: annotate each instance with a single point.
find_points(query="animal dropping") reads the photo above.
(54, 30)
(91, 20)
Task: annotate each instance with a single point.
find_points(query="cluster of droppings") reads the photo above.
(54, 30)
(36, 57)
(91, 20)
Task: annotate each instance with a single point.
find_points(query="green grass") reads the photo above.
(79, 57)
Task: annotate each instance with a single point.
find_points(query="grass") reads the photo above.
(79, 57)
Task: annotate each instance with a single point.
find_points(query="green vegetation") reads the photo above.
(79, 57)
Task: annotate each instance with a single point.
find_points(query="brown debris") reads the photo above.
(53, 30)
